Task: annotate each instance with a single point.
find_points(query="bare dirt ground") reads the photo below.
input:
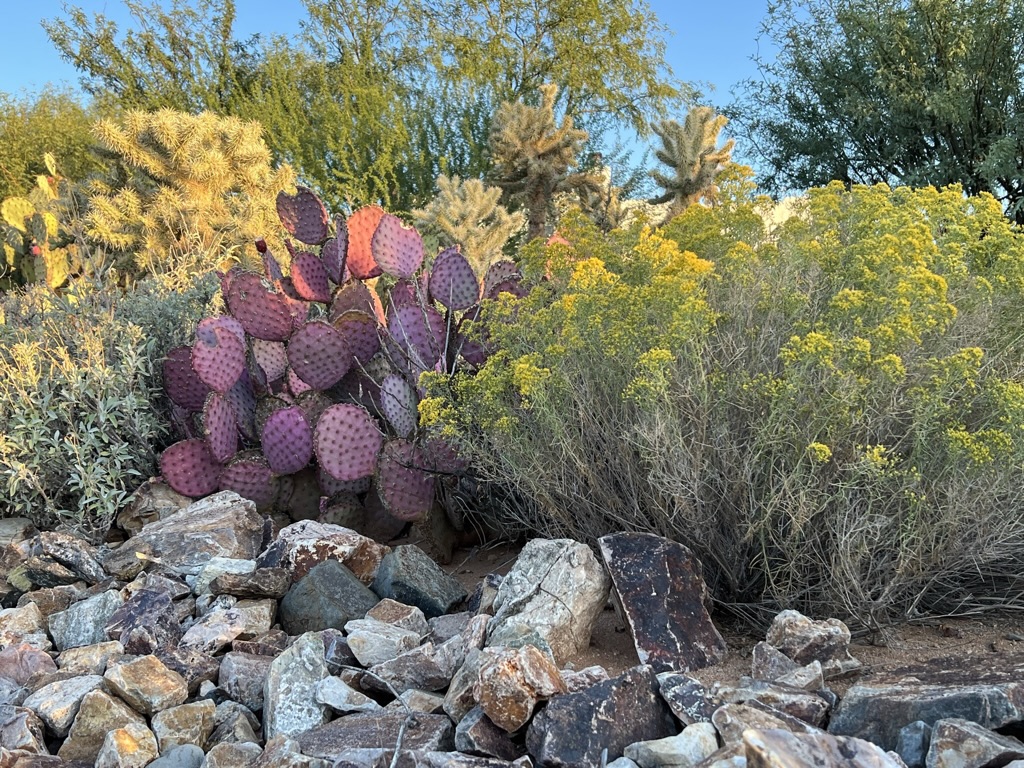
(611, 646)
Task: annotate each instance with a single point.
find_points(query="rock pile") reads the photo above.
(209, 639)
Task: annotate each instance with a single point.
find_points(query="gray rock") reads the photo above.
(968, 688)
(377, 731)
(477, 735)
(556, 587)
(132, 746)
(573, 729)
(90, 659)
(772, 748)
(329, 596)
(426, 667)
(343, 698)
(185, 724)
(98, 714)
(688, 698)
(242, 755)
(234, 724)
(622, 762)
(257, 617)
(401, 615)
(22, 729)
(218, 566)
(57, 703)
(220, 525)
(407, 574)
(146, 684)
(242, 676)
(461, 760)
(804, 641)
(195, 667)
(448, 626)
(732, 720)
(145, 623)
(580, 679)
(460, 698)
(958, 743)
(374, 642)
(261, 583)
(801, 704)
(912, 743)
(695, 743)
(282, 752)
(18, 623)
(289, 694)
(84, 622)
(418, 701)
(660, 586)
(11, 694)
(214, 631)
(74, 554)
(769, 663)
(184, 756)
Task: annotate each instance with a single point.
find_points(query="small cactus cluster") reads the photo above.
(303, 397)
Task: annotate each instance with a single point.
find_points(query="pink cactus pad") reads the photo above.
(270, 267)
(396, 248)
(331, 486)
(287, 440)
(313, 403)
(347, 442)
(361, 226)
(501, 272)
(356, 295)
(271, 357)
(183, 386)
(243, 401)
(453, 283)
(419, 333)
(296, 386)
(319, 354)
(515, 287)
(442, 457)
(222, 321)
(310, 277)
(263, 313)
(249, 475)
(221, 427)
(402, 292)
(190, 469)
(218, 357)
(360, 332)
(405, 487)
(334, 253)
(298, 307)
(398, 401)
(303, 215)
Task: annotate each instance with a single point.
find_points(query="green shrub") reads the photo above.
(832, 416)
(80, 397)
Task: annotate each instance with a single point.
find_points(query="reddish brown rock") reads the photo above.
(660, 585)
(261, 583)
(363, 731)
(24, 664)
(512, 681)
(804, 641)
(303, 545)
(774, 748)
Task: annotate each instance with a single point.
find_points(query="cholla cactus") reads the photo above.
(306, 392)
(533, 156)
(467, 213)
(692, 153)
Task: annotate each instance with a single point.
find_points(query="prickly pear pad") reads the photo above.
(406, 489)
(272, 357)
(287, 440)
(262, 312)
(398, 401)
(361, 226)
(183, 386)
(303, 215)
(360, 331)
(335, 252)
(500, 272)
(189, 468)
(319, 354)
(310, 277)
(347, 442)
(332, 486)
(221, 427)
(396, 248)
(218, 357)
(453, 283)
(249, 475)
(358, 296)
(419, 334)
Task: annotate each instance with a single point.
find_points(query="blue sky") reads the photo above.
(711, 42)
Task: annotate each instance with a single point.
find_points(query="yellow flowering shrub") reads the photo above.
(829, 412)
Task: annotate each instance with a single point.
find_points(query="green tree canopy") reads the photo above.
(374, 99)
(913, 92)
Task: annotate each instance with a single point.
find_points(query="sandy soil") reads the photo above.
(612, 647)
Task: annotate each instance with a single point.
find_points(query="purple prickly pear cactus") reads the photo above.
(402, 292)
(226, 322)
(355, 295)
(347, 442)
(500, 272)
(319, 354)
(453, 283)
(418, 333)
(271, 357)
(190, 469)
(287, 440)
(183, 386)
(221, 427)
(249, 475)
(243, 401)
(361, 226)
(218, 356)
(303, 215)
(296, 386)
(270, 266)
(263, 313)
(335, 251)
(310, 277)
(405, 487)
(331, 486)
(396, 248)
(360, 332)
(398, 401)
